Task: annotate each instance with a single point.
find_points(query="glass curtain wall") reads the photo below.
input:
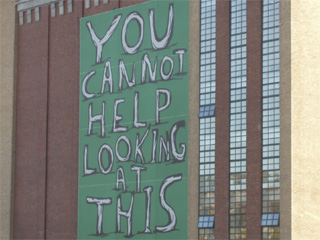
(207, 119)
(238, 116)
(271, 123)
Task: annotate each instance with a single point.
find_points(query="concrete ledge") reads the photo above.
(27, 4)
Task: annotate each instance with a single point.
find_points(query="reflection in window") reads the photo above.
(206, 222)
(270, 219)
(207, 111)
(271, 233)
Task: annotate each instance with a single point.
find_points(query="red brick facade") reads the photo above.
(254, 118)
(222, 119)
(46, 180)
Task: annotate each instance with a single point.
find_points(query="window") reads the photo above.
(238, 120)
(207, 119)
(270, 219)
(207, 111)
(270, 121)
(206, 222)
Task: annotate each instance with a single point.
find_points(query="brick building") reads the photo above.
(253, 114)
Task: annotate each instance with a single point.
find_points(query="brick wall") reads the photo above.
(46, 179)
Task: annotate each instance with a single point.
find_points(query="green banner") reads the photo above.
(133, 122)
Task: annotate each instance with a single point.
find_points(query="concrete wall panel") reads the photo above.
(193, 151)
(300, 89)
(285, 119)
(8, 42)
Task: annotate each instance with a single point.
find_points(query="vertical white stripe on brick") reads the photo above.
(61, 8)
(96, 3)
(21, 18)
(105, 1)
(29, 16)
(87, 3)
(37, 13)
(53, 9)
(69, 6)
